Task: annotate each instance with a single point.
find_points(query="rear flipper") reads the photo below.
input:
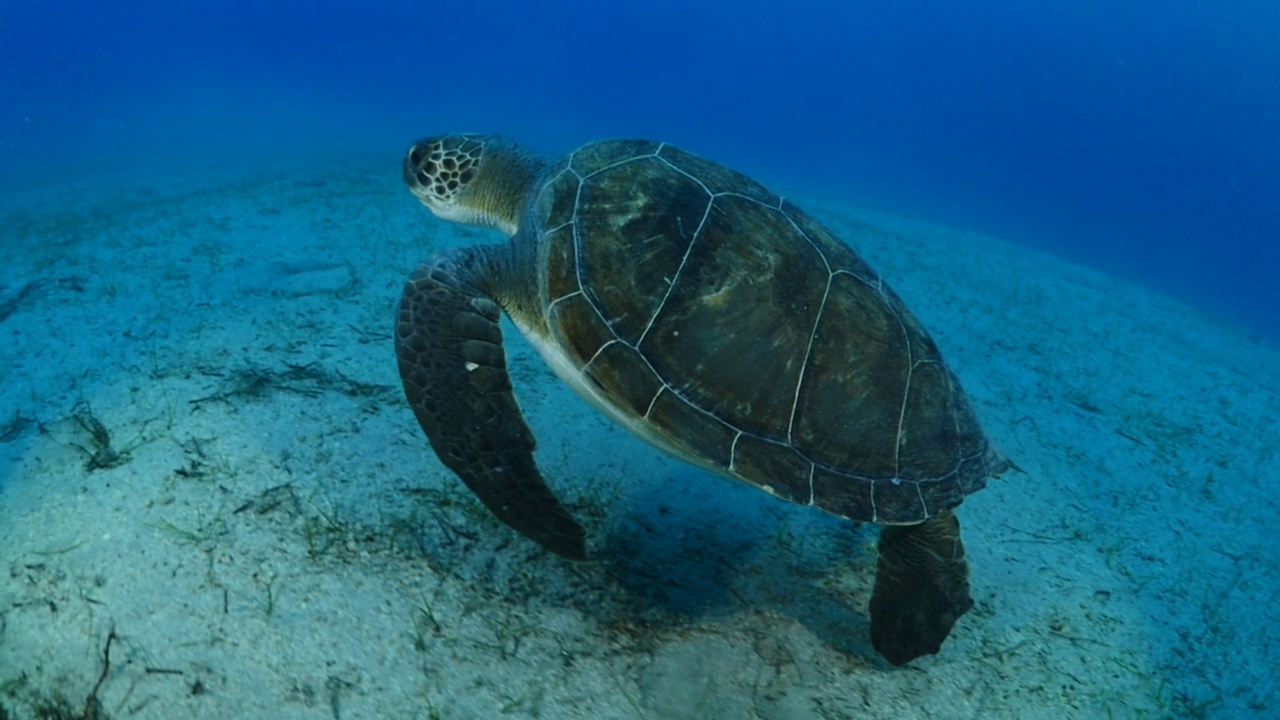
(922, 588)
(455, 376)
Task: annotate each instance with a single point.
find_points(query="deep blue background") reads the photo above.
(1140, 137)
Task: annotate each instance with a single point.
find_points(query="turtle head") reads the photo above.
(475, 179)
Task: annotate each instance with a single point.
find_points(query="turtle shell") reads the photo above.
(727, 326)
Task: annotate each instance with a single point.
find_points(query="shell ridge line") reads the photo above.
(906, 393)
(733, 452)
(955, 410)
(687, 174)
(812, 244)
(668, 387)
(552, 305)
(577, 237)
(679, 271)
(855, 476)
(748, 198)
(600, 349)
(567, 169)
(877, 285)
(624, 161)
(654, 400)
(955, 418)
(804, 364)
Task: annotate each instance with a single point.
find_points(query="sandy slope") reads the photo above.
(204, 457)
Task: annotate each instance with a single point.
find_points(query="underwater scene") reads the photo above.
(671, 360)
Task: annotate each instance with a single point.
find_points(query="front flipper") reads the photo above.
(922, 588)
(455, 376)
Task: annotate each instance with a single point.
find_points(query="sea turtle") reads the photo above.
(711, 318)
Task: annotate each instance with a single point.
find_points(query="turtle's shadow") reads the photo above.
(708, 548)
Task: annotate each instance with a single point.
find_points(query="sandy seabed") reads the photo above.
(214, 502)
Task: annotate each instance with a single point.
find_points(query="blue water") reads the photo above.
(1140, 139)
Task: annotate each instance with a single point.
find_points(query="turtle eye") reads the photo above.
(415, 155)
